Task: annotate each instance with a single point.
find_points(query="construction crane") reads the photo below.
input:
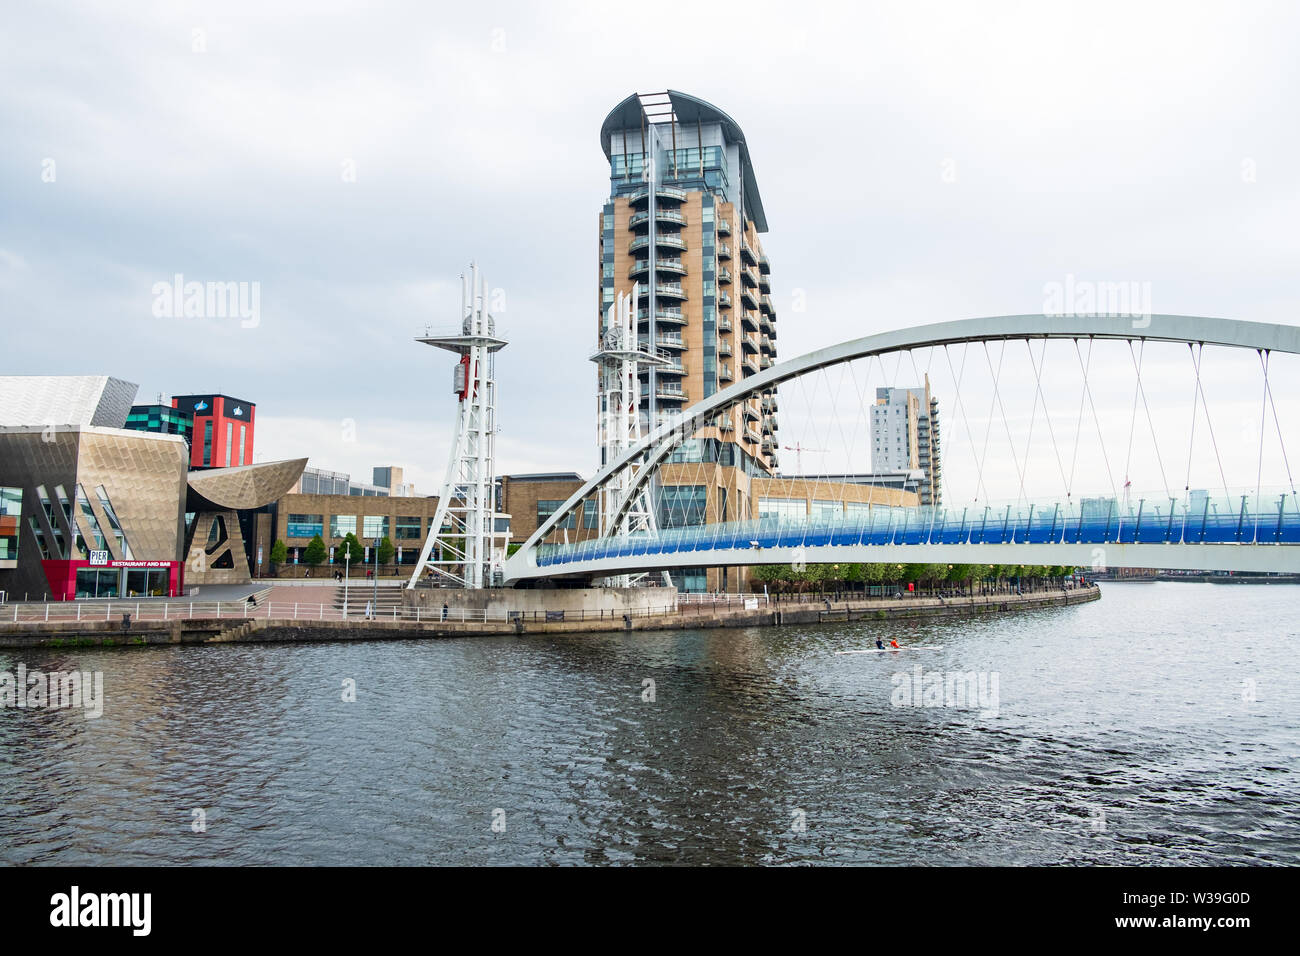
(799, 449)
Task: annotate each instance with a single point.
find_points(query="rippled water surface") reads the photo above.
(1125, 732)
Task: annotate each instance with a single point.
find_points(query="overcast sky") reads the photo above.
(917, 162)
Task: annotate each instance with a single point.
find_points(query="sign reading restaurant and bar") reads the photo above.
(102, 559)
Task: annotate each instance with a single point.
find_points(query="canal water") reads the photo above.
(1156, 726)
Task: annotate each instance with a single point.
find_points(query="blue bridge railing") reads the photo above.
(1202, 521)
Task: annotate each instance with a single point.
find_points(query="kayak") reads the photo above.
(882, 650)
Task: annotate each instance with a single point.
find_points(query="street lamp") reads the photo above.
(347, 566)
(374, 602)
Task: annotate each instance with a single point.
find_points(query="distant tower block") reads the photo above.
(463, 547)
(618, 418)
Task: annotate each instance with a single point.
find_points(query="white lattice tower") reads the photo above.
(618, 419)
(462, 546)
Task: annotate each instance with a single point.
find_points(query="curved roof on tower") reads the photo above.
(690, 109)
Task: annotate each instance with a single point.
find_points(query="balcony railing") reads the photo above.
(724, 300)
(662, 314)
(724, 227)
(750, 277)
(669, 340)
(661, 215)
(724, 275)
(748, 298)
(724, 374)
(724, 347)
(666, 239)
(724, 251)
(724, 323)
(747, 251)
(764, 284)
(749, 320)
(671, 392)
(763, 265)
(665, 288)
(663, 192)
(665, 265)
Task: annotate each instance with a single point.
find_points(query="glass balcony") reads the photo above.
(747, 252)
(764, 284)
(765, 361)
(724, 275)
(750, 277)
(763, 265)
(724, 347)
(664, 240)
(724, 323)
(662, 314)
(748, 298)
(724, 300)
(662, 192)
(673, 368)
(749, 321)
(724, 251)
(724, 375)
(724, 227)
(661, 215)
(672, 290)
(669, 340)
(642, 266)
(751, 363)
(766, 303)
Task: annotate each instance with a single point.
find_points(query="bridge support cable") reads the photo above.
(988, 430)
(1033, 415)
(1051, 432)
(1198, 360)
(1268, 390)
(1155, 440)
(997, 399)
(958, 377)
(1092, 406)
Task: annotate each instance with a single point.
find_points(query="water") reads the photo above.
(1123, 735)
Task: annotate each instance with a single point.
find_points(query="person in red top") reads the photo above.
(893, 642)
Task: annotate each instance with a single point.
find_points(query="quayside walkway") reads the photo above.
(321, 622)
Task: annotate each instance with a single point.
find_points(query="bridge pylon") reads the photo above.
(619, 358)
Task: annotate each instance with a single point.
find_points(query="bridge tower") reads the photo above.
(619, 357)
(468, 551)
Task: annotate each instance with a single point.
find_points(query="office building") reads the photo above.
(161, 420)
(222, 432)
(905, 437)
